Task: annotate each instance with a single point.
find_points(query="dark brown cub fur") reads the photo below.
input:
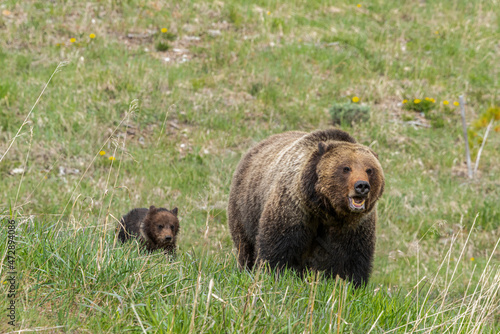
(307, 201)
(156, 228)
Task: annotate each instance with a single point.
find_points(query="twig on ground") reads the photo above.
(482, 146)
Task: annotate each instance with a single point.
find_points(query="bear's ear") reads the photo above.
(321, 148)
(373, 152)
(152, 209)
(174, 211)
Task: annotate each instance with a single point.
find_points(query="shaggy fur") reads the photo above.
(307, 201)
(156, 228)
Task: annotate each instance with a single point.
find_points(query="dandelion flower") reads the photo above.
(358, 5)
(92, 36)
(405, 101)
(268, 13)
(472, 259)
(72, 40)
(456, 104)
(428, 99)
(432, 100)
(111, 158)
(445, 102)
(417, 101)
(102, 153)
(58, 44)
(355, 99)
(436, 32)
(164, 30)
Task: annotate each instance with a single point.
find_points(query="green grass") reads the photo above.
(274, 67)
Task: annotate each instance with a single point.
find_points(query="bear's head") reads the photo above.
(160, 226)
(350, 178)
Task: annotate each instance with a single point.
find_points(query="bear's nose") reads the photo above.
(362, 187)
(168, 238)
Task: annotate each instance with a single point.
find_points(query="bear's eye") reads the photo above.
(172, 227)
(347, 169)
(160, 226)
(369, 171)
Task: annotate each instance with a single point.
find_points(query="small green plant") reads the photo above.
(349, 113)
(419, 105)
(162, 40)
(162, 46)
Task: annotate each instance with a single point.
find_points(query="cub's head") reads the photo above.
(350, 177)
(160, 226)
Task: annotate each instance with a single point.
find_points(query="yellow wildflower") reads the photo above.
(436, 32)
(355, 99)
(405, 101)
(112, 158)
(428, 99)
(432, 100)
(92, 36)
(358, 5)
(164, 30)
(456, 104)
(417, 101)
(72, 40)
(445, 102)
(268, 13)
(472, 259)
(102, 153)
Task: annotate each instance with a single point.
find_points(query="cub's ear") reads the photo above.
(152, 208)
(321, 148)
(174, 211)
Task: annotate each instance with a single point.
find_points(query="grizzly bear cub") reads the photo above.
(156, 228)
(306, 201)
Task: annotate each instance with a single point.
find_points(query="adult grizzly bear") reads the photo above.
(307, 201)
(156, 228)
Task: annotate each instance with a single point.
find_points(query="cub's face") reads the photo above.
(161, 227)
(350, 178)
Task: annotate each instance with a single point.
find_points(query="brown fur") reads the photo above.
(156, 228)
(289, 204)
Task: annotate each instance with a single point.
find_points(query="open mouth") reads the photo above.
(356, 203)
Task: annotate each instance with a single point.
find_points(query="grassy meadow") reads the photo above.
(154, 102)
